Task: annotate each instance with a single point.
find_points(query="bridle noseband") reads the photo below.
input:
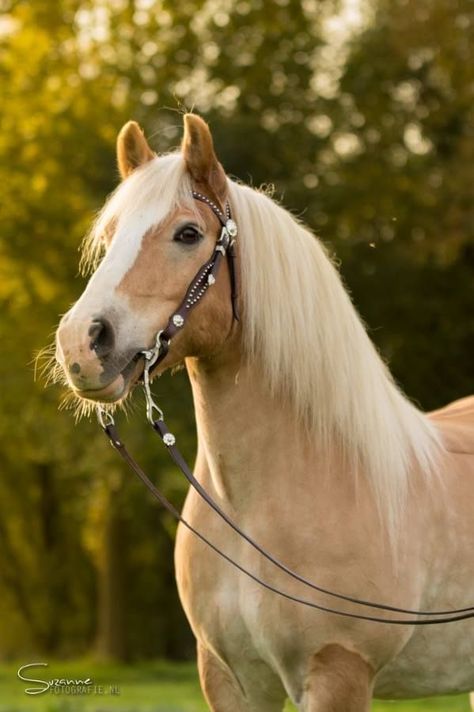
(205, 278)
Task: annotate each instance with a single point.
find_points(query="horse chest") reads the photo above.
(239, 620)
(254, 630)
(223, 607)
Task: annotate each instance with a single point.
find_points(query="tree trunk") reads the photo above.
(111, 638)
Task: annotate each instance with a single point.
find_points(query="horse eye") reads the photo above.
(188, 235)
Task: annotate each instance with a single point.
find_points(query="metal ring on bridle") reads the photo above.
(104, 416)
(152, 355)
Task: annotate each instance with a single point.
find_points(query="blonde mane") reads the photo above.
(301, 327)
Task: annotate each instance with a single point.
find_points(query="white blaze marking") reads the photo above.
(120, 258)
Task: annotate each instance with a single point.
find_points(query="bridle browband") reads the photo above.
(205, 278)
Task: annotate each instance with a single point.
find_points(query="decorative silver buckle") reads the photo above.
(150, 403)
(151, 356)
(231, 228)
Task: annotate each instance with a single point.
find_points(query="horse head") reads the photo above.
(153, 236)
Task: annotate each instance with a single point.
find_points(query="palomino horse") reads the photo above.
(304, 439)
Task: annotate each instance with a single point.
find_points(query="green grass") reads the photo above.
(148, 687)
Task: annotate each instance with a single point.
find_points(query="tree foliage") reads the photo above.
(363, 124)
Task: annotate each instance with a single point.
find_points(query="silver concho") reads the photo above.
(178, 320)
(169, 439)
(231, 228)
(211, 280)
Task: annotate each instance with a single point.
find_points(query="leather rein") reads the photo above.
(205, 278)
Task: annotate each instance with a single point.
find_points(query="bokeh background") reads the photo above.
(359, 112)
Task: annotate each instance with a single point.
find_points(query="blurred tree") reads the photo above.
(43, 499)
(396, 185)
(403, 121)
(61, 546)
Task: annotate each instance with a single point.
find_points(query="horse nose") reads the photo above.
(85, 349)
(101, 333)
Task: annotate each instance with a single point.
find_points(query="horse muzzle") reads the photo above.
(94, 367)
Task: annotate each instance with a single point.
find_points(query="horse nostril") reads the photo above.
(102, 337)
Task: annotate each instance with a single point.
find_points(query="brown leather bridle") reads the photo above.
(205, 278)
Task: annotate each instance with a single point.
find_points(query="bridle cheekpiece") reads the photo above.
(203, 279)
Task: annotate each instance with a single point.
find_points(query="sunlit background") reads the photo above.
(359, 112)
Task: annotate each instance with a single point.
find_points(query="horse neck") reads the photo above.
(259, 460)
(249, 438)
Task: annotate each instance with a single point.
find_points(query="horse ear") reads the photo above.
(132, 149)
(198, 152)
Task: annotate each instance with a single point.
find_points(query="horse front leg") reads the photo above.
(338, 680)
(223, 691)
